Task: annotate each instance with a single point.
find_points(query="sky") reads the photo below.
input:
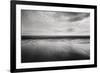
(38, 22)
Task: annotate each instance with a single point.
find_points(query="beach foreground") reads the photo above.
(44, 50)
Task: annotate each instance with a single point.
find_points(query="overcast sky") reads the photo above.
(54, 23)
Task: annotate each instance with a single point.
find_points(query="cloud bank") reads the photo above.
(54, 23)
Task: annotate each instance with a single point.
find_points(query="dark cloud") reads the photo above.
(79, 17)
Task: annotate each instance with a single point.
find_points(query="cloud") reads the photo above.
(54, 23)
(79, 17)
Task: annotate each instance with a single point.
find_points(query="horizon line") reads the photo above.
(53, 37)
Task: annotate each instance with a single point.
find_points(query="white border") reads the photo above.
(20, 65)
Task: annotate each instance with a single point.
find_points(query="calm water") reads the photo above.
(41, 50)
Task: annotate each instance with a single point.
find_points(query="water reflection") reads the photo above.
(42, 50)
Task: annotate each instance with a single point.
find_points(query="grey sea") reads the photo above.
(45, 50)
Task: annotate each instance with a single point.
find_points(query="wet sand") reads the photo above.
(44, 50)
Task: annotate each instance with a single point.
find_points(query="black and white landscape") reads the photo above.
(54, 36)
